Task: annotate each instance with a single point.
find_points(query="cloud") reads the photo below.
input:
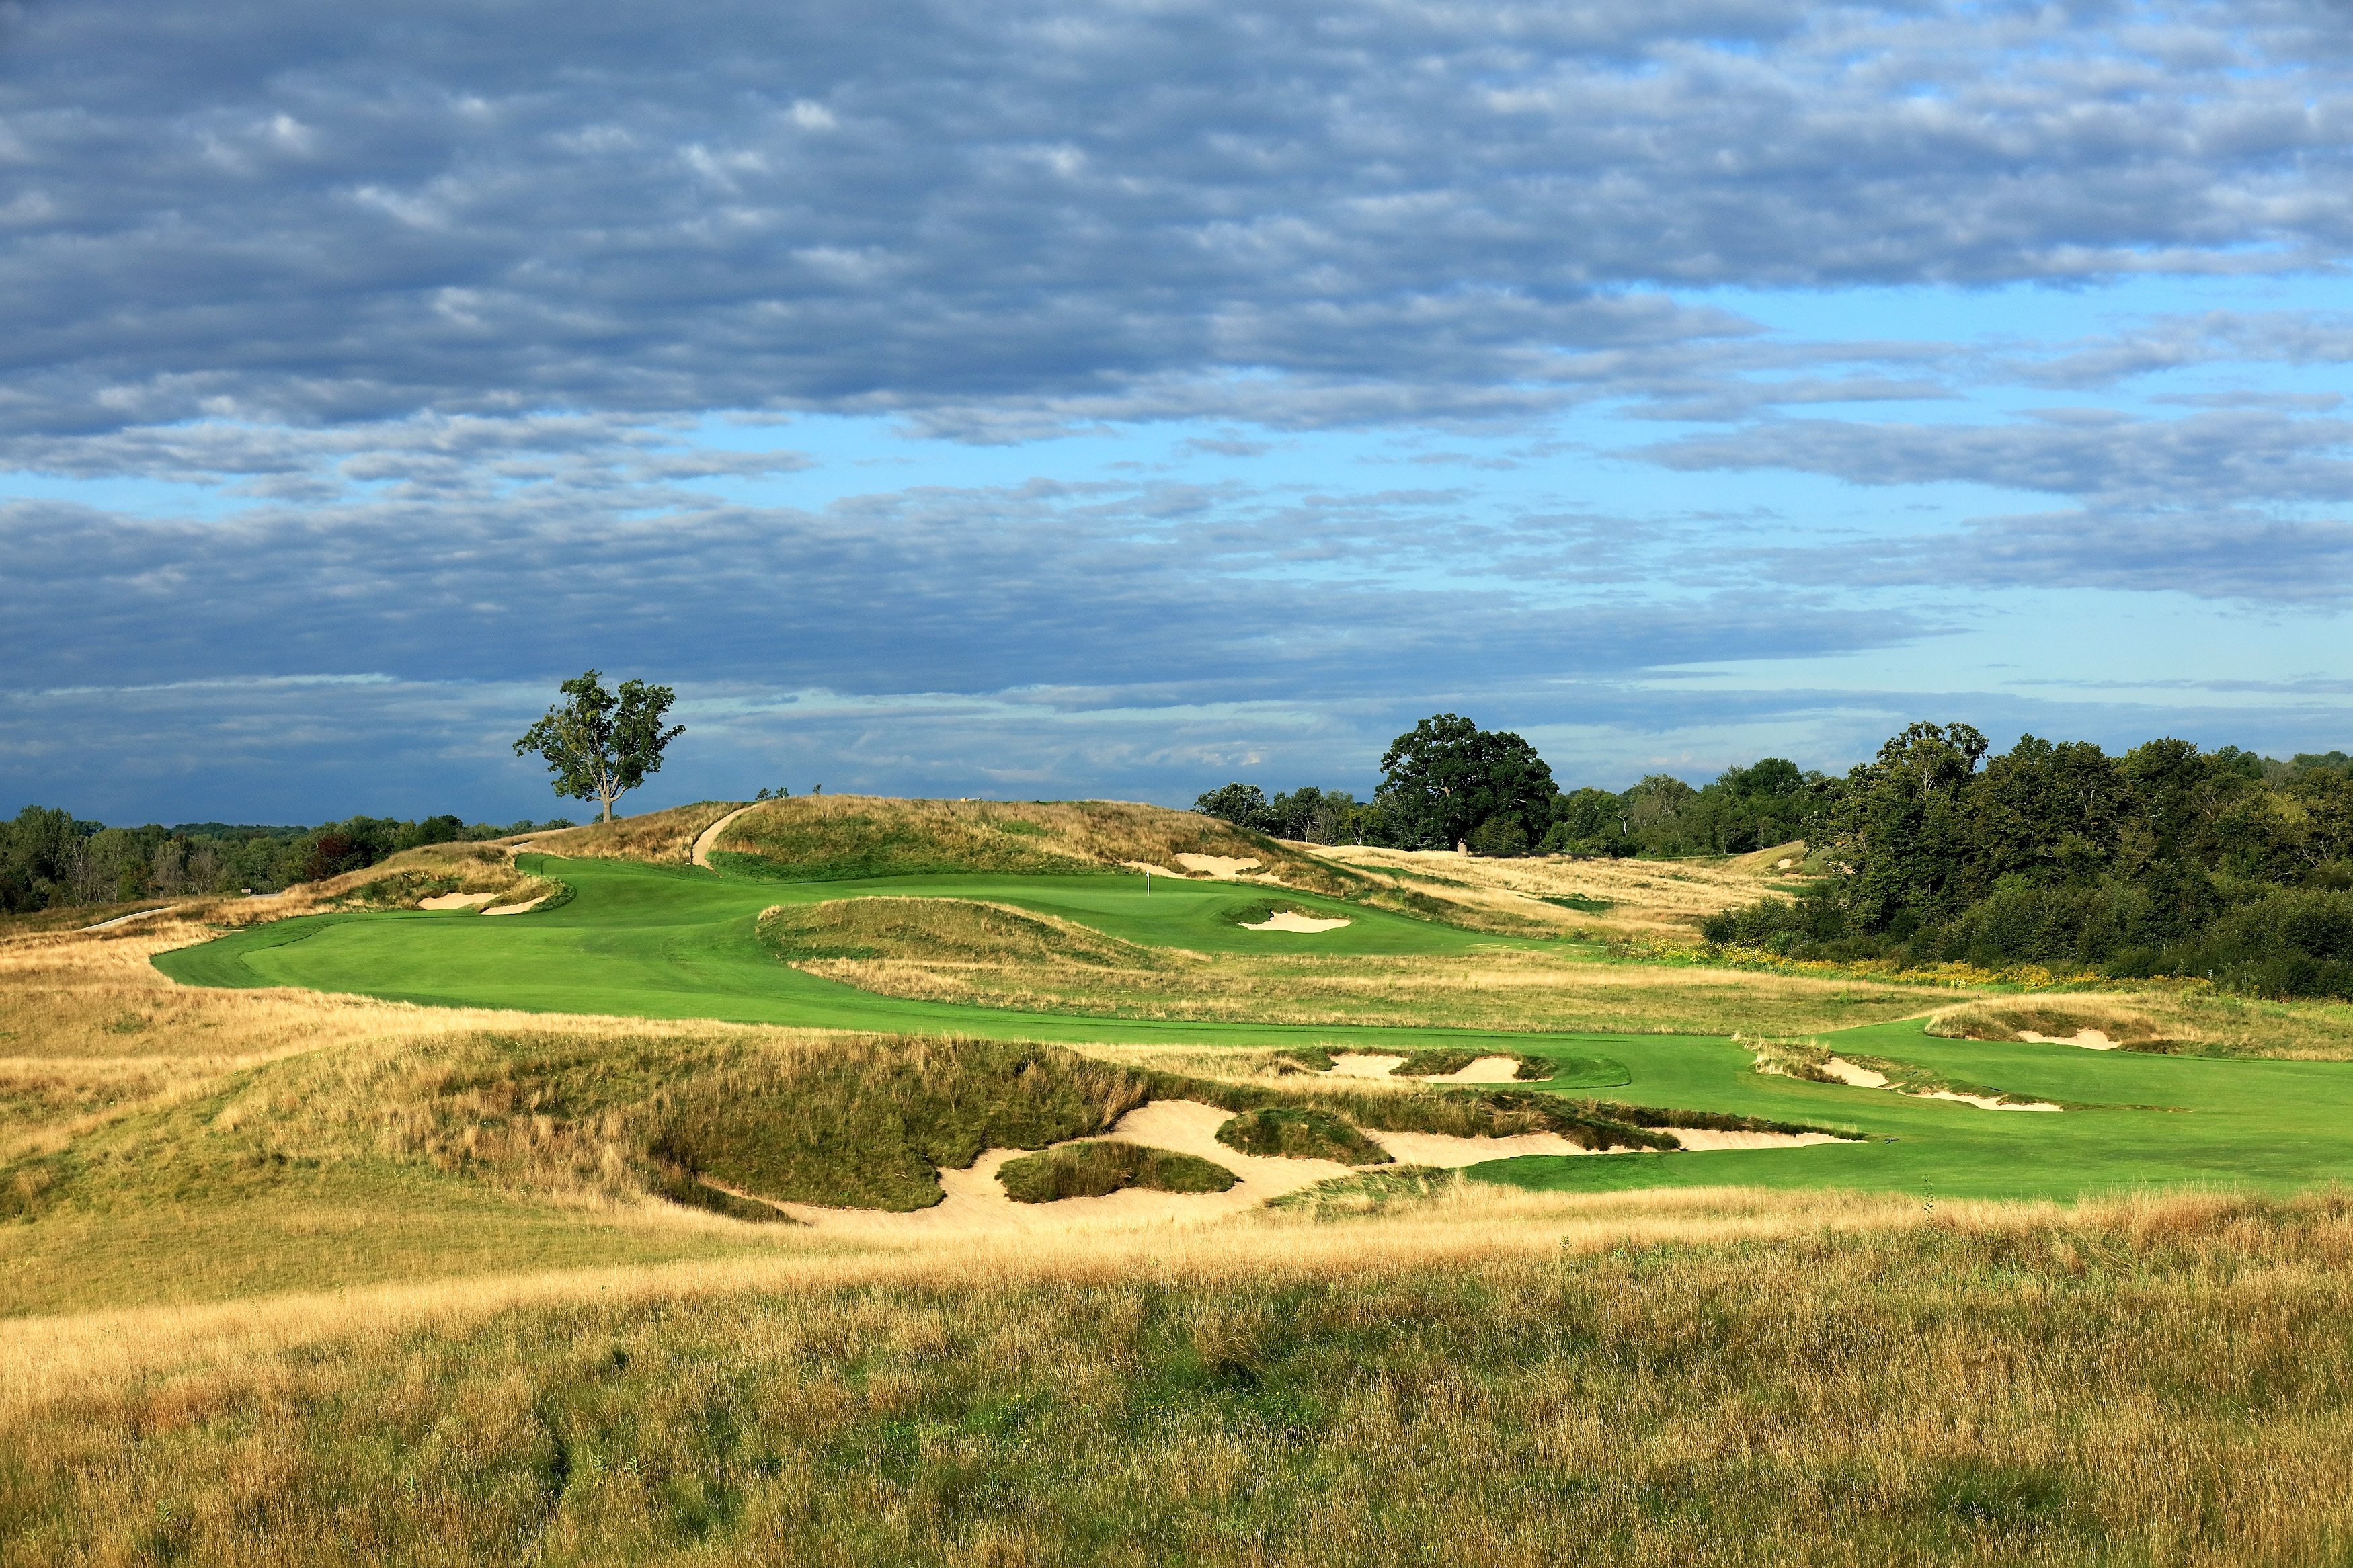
(1006, 220)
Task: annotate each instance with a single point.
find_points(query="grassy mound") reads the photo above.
(1525, 1069)
(1091, 1170)
(832, 839)
(657, 837)
(1300, 1133)
(948, 931)
(1370, 1192)
(2061, 1017)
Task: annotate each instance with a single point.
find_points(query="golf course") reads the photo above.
(847, 1181)
(675, 943)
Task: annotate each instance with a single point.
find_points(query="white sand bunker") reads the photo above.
(1982, 1102)
(517, 909)
(1286, 919)
(1486, 1070)
(2090, 1039)
(976, 1201)
(1854, 1076)
(1222, 867)
(457, 901)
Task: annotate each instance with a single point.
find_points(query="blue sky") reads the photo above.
(1047, 400)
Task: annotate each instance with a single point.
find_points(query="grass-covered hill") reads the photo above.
(831, 838)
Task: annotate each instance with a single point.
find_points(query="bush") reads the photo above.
(1499, 839)
(1090, 1170)
(1300, 1133)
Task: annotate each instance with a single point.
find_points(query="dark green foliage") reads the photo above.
(1300, 1133)
(1527, 1070)
(1499, 837)
(1446, 777)
(1092, 1169)
(2167, 861)
(49, 860)
(1306, 816)
(601, 744)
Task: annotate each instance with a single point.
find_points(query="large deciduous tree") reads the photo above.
(1447, 777)
(601, 744)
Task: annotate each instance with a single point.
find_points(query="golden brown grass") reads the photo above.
(947, 950)
(1480, 1378)
(661, 837)
(1001, 836)
(2191, 1020)
(1647, 898)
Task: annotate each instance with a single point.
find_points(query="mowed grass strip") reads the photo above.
(2146, 1381)
(1100, 1167)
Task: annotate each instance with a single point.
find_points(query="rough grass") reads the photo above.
(1609, 899)
(943, 930)
(828, 839)
(2191, 1020)
(658, 837)
(1092, 1169)
(1724, 1383)
(846, 837)
(1508, 990)
(1300, 1133)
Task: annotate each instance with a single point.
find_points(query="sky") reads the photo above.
(1039, 400)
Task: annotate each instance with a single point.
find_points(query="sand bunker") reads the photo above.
(976, 1201)
(2090, 1039)
(1848, 1073)
(518, 908)
(1982, 1102)
(1284, 920)
(457, 901)
(1486, 1070)
(1223, 866)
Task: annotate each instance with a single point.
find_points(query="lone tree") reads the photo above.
(1447, 778)
(600, 745)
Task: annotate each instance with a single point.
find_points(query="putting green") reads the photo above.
(679, 942)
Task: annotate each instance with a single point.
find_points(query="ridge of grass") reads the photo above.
(1102, 1166)
(1300, 1133)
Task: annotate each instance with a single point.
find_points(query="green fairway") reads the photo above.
(679, 942)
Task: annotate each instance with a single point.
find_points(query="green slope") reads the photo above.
(679, 942)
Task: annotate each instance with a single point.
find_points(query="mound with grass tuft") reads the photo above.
(1300, 1133)
(1093, 1169)
(943, 930)
(2058, 1019)
(833, 838)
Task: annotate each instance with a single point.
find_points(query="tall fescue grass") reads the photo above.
(971, 954)
(657, 837)
(2187, 1020)
(1707, 1380)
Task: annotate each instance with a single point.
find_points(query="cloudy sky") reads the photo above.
(1047, 399)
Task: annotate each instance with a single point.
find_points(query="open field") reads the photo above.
(383, 1234)
(1709, 1377)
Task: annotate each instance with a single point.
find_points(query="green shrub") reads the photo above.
(1300, 1133)
(1090, 1170)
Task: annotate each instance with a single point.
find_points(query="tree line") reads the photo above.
(1447, 784)
(2166, 860)
(50, 860)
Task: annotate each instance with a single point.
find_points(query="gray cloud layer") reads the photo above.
(1009, 214)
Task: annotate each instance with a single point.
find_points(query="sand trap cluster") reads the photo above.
(1486, 1070)
(2090, 1039)
(1285, 919)
(1224, 868)
(456, 900)
(976, 1201)
(1855, 1076)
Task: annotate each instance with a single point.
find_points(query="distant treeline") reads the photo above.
(1448, 782)
(50, 860)
(2167, 861)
